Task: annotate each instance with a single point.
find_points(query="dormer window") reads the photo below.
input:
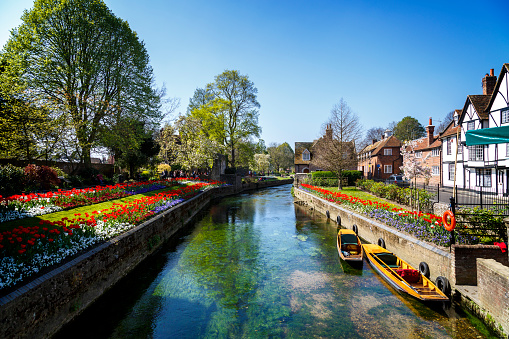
(456, 118)
(306, 156)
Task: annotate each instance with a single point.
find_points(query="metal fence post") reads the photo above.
(453, 210)
(480, 197)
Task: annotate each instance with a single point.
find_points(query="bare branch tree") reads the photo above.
(335, 151)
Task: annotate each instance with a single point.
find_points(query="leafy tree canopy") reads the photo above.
(76, 59)
(228, 110)
(409, 129)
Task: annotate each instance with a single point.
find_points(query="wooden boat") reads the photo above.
(401, 275)
(349, 246)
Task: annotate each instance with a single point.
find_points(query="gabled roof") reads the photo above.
(299, 148)
(505, 69)
(480, 103)
(450, 130)
(422, 143)
(391, 141)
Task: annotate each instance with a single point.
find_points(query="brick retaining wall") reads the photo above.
(464, 265)
(493, 278)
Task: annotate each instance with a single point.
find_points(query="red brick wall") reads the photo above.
(464, 265)
(493, 289)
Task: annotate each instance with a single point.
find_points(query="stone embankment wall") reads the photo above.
(407, 247)
(464, 266)
(39, 308)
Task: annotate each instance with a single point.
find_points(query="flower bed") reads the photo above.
(24, 251)
(35, 204)
(424, 226)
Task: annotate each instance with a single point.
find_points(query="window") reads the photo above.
(388, 151)
(451, 171)
(483, 177)
(449, 143)
(418, 154)
(306, 156)
(387, 168)
(435, 170)
(455, 120)
(505, 116)
(470, 125)
(435, 152)
(500, 177)
(476, 153)
(507, 150)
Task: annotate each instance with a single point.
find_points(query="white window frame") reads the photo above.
(306, 155)
(470, 125)
(449, 147)
(418, 154)
(504, 116)
(483, 177)
(476, 153)
(387, 151)
(388, 169)
(507, 150)
(451, 172)
(435, 152)
(435, 170)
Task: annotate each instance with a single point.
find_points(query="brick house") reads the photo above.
(428, 149)
(305, 152)
(381, 159)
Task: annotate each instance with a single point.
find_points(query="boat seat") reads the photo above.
(389, 259)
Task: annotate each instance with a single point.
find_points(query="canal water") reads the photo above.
(259, 266)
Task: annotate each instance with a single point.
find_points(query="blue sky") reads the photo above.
(386, 59)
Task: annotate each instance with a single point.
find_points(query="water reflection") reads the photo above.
(258, 266)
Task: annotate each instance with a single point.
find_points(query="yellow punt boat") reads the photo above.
(401, 275)
(349, 246)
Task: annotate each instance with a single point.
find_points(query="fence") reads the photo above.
(482, 197)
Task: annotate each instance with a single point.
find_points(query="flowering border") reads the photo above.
(423, 226)
(24, 251)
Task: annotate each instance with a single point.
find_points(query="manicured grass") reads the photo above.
(34, 221)
(355, 192)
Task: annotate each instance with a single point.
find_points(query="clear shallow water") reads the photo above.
(259, 266)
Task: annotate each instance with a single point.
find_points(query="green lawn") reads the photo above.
(34, 221)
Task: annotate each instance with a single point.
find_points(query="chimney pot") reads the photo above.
(492, 72)
(430, 121)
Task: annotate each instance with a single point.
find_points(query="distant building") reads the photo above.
(428, 149)
(381, 159)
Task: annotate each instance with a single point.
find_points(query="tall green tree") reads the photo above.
(76, 58)
(228, 109)
(281, 156)
(408, 129)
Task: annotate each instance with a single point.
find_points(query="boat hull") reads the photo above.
(392, 269)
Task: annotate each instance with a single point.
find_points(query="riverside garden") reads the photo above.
(39, 230)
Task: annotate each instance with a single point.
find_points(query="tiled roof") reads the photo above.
(450, 130)
(391, 141)
(422, 143)
(480, 103)
(299, 148)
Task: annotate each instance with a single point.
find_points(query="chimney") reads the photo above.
(388, 133)
(489, 82)
(430, 129)
(328, 132)
(374, 141)
(382, 137)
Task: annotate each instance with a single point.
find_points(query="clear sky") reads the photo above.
(386, 59)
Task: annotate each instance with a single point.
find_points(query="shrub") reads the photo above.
(88, 176)
(12, 180)
(41, 176)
